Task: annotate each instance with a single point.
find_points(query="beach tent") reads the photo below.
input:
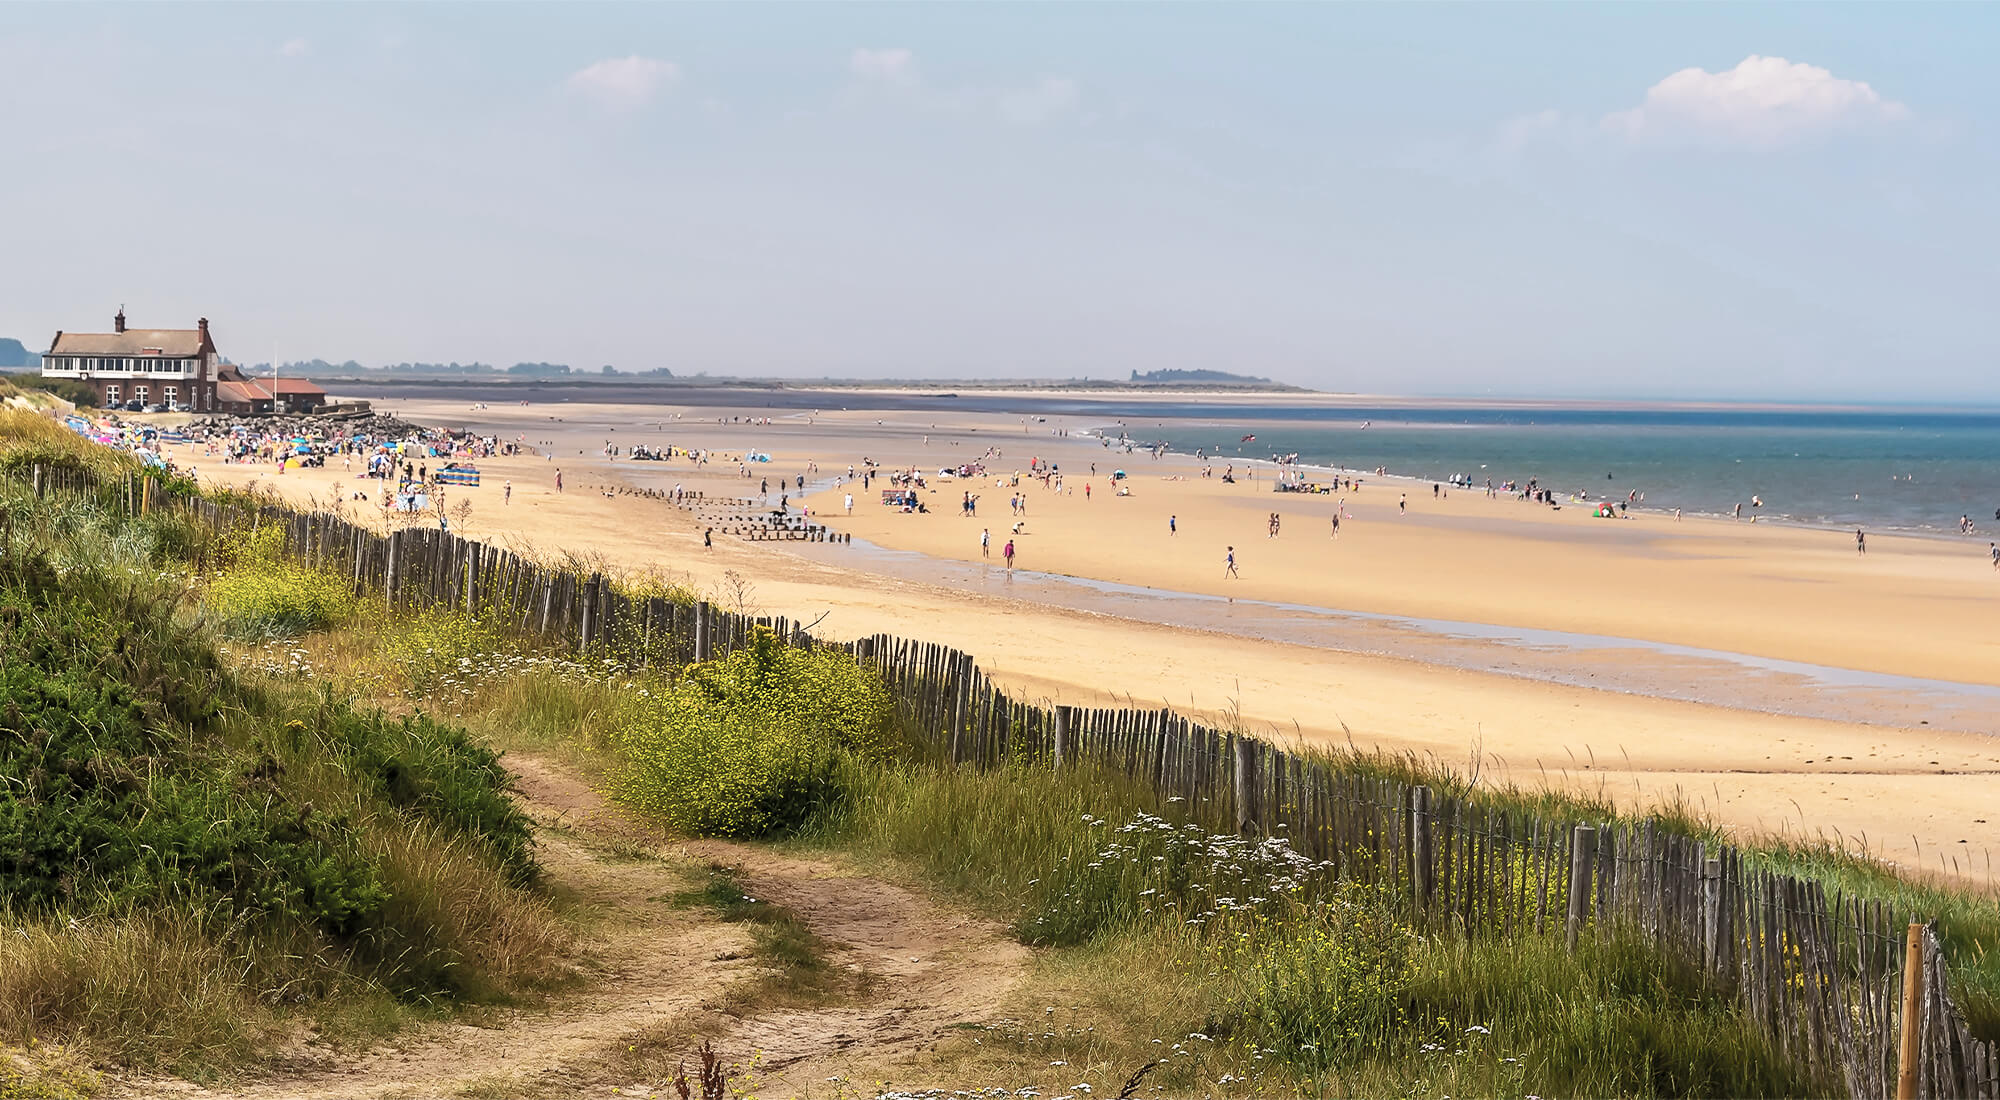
(458, 475)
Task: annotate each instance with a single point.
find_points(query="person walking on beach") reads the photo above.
(1007, 552)
(1993, 548)
(1172, 528)
(1336, 525)
(708, 539)
(507, 493)
(985, 543)
(1860, 542)
(1229, 564)
(1403, 505)
(558, 481)
(849, 501)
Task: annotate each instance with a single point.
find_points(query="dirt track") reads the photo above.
(658, 976)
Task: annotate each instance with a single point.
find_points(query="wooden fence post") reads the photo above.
(1582, 855)
(1423, 866)
(701, 639)
(1248, 821)
(1913, 1014)
(589, 624)
(389, 574)
(1711, 915)
(1061, 753)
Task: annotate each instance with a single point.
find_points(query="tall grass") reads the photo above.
(257, 849)
(1255, 975)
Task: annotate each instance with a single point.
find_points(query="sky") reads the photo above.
(1787, 201)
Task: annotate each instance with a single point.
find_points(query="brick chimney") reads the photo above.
(118, 322)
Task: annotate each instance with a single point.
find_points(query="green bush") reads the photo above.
(263, 595)
(753, 744)
(106, 804)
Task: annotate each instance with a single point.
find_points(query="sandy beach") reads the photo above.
(1778, 757)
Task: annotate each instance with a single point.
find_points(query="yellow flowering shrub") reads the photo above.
(752, 744)
(262, 595)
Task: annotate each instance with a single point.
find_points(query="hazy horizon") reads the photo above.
(1764, 203)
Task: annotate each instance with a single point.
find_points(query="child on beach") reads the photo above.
(1007, 552)
(985, 543)
(1229, 564)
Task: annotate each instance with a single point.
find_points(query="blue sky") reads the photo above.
(1785, 201)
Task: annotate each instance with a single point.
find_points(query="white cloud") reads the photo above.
(1761, 102)
(621, 82)
(295, 47)
(1041, 101)
(892, 65)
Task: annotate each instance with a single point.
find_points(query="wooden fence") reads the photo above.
(1820, 975)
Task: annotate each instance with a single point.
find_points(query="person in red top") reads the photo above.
(1007, 552)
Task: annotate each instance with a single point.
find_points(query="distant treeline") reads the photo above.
(520, 370)
(1207, 377)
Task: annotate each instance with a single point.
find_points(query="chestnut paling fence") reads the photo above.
(1821, 975)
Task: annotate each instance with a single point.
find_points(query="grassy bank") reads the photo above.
(191, 861)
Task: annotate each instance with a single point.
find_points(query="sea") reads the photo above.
(1912, 471)
(1906, 469)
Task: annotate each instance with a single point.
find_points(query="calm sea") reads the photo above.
(1911, 470)
(1918, 470)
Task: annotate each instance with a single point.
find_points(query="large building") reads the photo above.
(176, 367)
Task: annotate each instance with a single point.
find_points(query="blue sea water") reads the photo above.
(1908, 470)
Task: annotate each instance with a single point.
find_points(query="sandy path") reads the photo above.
(658, 972)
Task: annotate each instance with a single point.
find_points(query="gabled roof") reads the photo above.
(290, 385)
(170, 341)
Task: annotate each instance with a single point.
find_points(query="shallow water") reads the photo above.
(1663, 670)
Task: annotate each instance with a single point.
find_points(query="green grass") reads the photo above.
(190, 860)
(1616, 1018)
